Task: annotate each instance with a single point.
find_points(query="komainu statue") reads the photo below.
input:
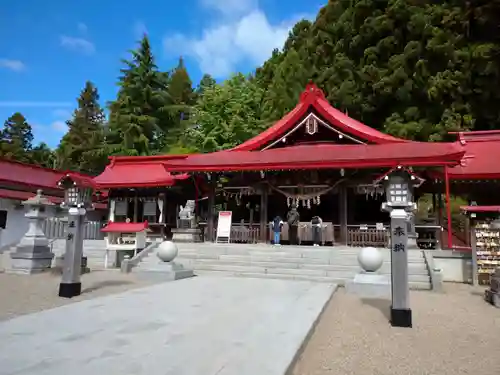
(186, 214)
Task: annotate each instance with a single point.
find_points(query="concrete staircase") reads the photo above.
(94, 250)
(322, 264)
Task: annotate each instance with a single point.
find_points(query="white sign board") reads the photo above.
(224, 226)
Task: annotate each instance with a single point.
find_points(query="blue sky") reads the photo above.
(48, 49)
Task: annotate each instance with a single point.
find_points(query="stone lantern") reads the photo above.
(32, 254)
(77, 200)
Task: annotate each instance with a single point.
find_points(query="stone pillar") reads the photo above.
(32, 254)
(400, 308)
(71, 285)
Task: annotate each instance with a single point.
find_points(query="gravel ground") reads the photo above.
(20, 294)
(454, 333)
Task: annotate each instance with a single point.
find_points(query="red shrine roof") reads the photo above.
(481, 161)
(372, 149)
(26, 178)
(322, 156)
(113, 227)
(29, 175)
(314, 98)
(129, 172)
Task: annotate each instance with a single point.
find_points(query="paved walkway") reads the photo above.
(198, 326)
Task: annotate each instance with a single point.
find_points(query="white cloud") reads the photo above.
(61, 113)
(243, 34)
(231, 7)
(82, 27)
(139, 29)
(77, 44)
(35, 104)
(15, 65)
(59, 126)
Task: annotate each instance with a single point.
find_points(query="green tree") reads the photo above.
(416, 69)
(182, 96)
(284, 90)
(43, 156)
(140, 117)
(16, 139)
(227, 114)
(206, 82)
(82, 148)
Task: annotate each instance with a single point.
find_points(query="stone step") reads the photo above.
(283, 250)
(414, 268)
(414, 285)
(337, 260)
(340, 274)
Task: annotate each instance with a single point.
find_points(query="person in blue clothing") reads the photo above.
(277, 223)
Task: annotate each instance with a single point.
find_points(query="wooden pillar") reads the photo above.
(264, 195)
(440, 218)
(434, 204)
(448, 207)
(343, 212)
(136, 208)
(210, 213)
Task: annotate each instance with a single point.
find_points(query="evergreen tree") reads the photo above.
(82, 148)
(288, 82)
(416, 69)
(43, 156)
(206, 82)
(180, 86)
(180, 89)
(16, 138)
(140, 117)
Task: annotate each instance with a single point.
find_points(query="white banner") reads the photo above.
(224, 224)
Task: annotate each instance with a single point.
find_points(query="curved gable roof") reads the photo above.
(313, 97)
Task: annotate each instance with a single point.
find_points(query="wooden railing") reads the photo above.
(243, 233)
(357, 236)
(55, 227)
(367, 237)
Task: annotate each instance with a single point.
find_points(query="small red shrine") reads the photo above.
(315, 156)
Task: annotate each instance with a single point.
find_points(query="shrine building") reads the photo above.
(315, 157)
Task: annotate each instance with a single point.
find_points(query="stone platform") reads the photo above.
(370, 285)
(197, 326)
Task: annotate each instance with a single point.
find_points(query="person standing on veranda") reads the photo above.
(316, 223)
(277, 224)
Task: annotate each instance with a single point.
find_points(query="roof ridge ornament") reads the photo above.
(311, 93)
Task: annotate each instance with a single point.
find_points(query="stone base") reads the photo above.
(370, 285)
(29, 263)
(186, 235)
(59, 264)
(492, 297)
(165, 271)
(70, 290)
(401, 318)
